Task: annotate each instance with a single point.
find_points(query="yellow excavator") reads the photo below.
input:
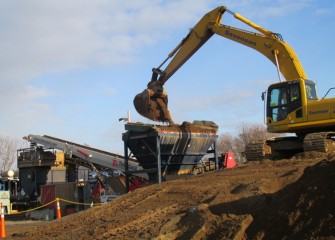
(292, 105)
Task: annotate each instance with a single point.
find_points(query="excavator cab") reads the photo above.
(287, 103)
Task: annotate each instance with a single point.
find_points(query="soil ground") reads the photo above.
(286, 199)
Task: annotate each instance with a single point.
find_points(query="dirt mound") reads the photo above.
(301, 210)
(310, 155)
(287, 199)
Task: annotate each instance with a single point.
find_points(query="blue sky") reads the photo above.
(70, 69)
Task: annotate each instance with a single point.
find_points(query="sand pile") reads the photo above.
(287, 199)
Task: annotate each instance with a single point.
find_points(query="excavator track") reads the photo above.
(320, 142)
(286, 147)
(257, 150)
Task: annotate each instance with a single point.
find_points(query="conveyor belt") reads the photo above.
(85, 153)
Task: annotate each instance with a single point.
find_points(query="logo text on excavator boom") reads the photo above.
(239, 38)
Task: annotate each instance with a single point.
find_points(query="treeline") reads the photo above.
(8, 153)
(246, 133)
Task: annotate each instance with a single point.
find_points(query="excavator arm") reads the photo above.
(152, 102)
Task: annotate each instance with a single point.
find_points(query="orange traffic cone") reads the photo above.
(2, 223)
(59, 215)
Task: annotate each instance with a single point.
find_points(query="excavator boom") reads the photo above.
(152, 103)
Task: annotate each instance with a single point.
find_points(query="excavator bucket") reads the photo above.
(152, 103)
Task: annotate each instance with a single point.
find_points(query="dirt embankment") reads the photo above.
(287, 199)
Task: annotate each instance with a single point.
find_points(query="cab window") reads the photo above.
(310, 91)
(278, 104)
(294, 91)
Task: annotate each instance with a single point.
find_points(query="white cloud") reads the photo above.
(14, 93)
(42, 37)
(110, 91)
(324, 11)
(265, 9)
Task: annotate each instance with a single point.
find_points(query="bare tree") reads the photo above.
(8, 152)
(226, 142)
(247, 132)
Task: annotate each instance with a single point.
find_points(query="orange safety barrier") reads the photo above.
(2, 223)
(59, 215)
